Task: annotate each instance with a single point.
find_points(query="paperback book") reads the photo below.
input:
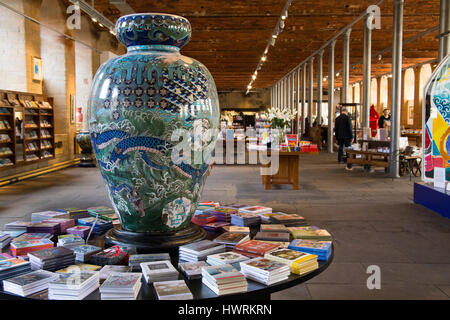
(224, 279)
(230, 239)
(299, 262)
(108, 269)
(225, 258)
(20, 248)
(197, 251)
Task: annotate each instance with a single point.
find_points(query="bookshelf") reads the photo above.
(27, 128)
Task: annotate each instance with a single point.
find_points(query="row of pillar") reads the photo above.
(282, 89)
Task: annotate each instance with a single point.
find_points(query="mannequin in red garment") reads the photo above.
(373, 121)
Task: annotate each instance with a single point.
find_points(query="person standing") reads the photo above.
(344, 134)
(385, 117)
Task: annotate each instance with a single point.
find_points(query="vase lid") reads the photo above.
(153, 29)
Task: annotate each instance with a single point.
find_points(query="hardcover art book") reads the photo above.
(121, 286)
(19, 248)
(135, 260)
(172, 290)
(236, 229)
(320, 248)
(272, 236)
(29, 283)
(256, 210)
(192, 270)
(79, 267)
(108, 269)
(310, 233)
(254, 248)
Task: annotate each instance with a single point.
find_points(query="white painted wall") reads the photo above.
(12, 48)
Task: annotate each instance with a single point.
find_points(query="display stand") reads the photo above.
(431, 198)
(153, 242)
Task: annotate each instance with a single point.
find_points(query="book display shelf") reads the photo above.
(26, 128)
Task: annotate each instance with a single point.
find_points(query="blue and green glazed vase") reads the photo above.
(139, 104)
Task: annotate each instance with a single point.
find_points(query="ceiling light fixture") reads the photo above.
(278, 28)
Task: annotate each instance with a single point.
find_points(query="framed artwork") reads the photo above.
(37, 68)
(72, 109)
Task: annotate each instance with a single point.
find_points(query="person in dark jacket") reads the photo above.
(343, 133)
(385, 117)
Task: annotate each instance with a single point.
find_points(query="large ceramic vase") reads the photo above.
(141, 106)
(84, 141)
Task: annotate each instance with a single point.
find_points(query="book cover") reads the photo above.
(171, 288)
(255, 246)
(120, 280)
(230, 237)
(272, 236)
(32, 277)
(264, 264)
(79, 267)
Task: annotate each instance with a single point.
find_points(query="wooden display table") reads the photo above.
(287, 170)
(371, 158)
(414, 136)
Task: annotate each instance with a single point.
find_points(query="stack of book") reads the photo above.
(322, 249)
(272, 236)
(199, 250)
(254, 248)
(135, 260)
(172, 290)
(100, 226)
(273, 228)
(108, 269)
(5, 239)
(310, 233)
(224, 279)
(112, 255)
(20, 248)
(121, 286)
(69, 240)
(222, 213)
(230, 239)
(289, 220)
(265, 271)
(16, 226)
(256, 210)
(85, 251)
(192, 270)
(225, 258)
(73, 286)
(64, 224)
(159, 271)
(11, 267)
(215, 226)
(44, 227)
(51, 259)
(45, 215)
(237, 206)
(82, 231)
(245, 219)
(202, 219)
(236, 229)
(299, 262)
(27, 284)
(75, 213)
